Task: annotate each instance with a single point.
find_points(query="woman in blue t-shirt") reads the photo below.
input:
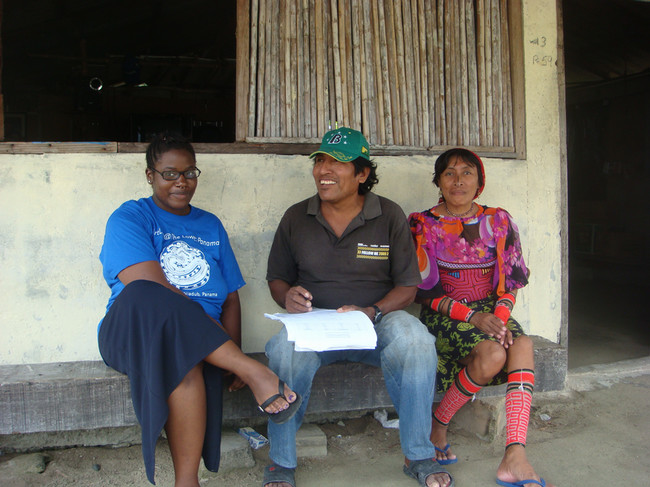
(173, 320)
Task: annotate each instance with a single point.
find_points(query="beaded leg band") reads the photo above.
(519, 396)
(461, 391)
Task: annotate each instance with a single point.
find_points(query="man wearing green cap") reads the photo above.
(346, 248)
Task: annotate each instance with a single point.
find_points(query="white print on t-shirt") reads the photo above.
(171, 236)
(185, 266)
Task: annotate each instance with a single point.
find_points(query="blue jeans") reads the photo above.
(405, 352)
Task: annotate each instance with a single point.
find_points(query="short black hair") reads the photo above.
(360, 163)
(164, 142)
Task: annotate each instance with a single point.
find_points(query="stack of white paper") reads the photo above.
(326, 329)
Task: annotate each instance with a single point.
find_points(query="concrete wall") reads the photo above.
(54, 208)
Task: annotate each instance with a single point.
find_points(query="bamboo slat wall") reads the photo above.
(409, 73)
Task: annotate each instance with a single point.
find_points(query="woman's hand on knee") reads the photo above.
(492, 326)
(507, 339)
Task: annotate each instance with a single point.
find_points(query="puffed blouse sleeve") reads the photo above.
(512, 272)
(425, 251)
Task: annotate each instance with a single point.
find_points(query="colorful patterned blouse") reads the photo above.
(468, 258)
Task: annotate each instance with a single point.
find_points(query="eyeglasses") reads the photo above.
(174, 175)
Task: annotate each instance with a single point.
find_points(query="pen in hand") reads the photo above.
(298, 300)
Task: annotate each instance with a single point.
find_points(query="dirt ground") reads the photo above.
(595, 437)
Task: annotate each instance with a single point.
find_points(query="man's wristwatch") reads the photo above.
(378, 314)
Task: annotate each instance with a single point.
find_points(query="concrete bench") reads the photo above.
(72, 396)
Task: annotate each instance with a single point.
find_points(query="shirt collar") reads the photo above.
(371, 206)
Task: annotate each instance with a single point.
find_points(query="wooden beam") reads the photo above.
(242, 69)
(57, 147)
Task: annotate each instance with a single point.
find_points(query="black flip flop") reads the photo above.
(277, 474)
(421, 469)
(287, 414)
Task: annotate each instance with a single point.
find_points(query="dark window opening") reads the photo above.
(80, 70)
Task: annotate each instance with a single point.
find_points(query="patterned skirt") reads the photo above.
(456, 339)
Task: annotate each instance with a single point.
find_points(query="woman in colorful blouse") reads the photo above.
(472, 266)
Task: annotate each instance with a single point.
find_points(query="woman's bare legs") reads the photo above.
(262, 381)
(186, 423)
(186, 427)
(515, 465)
(484, 361)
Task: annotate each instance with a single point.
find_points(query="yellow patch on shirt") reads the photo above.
(373, 252)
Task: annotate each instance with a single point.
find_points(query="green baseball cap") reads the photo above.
(344, 144)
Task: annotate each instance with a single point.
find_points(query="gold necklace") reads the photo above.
(459, 215)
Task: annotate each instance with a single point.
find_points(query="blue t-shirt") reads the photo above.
(193, 251)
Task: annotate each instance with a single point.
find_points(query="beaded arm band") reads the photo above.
(503, 307)
(453, 309)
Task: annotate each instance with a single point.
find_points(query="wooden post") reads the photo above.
(496, 73)
(330, 110)
(336, 52)
(489, 132)
(368, 78)
(262, 56)
(386, 90)
(423, 65)
(448, 91)
(315, 117)
(320, 67)
(407, 130)
(432, 71)
(246, 67)
(442, 110)
(505, 75)
(291, 51)
(356, 64)
(515, 15)
(461, 73)
(267, 106)
(306, 91)
(471, 74)
(300, 71)
(391, 45)
(377, 29)
(281, 84)
(344, 58)
(410, 73)
(348, 66)
(480, 67)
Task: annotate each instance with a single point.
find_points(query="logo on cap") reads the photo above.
(344, 145)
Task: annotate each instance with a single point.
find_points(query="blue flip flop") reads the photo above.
(444, 452)
(521, 483)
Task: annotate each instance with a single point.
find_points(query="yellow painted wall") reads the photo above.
(53, 209)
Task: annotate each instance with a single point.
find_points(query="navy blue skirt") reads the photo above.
(156, 336)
